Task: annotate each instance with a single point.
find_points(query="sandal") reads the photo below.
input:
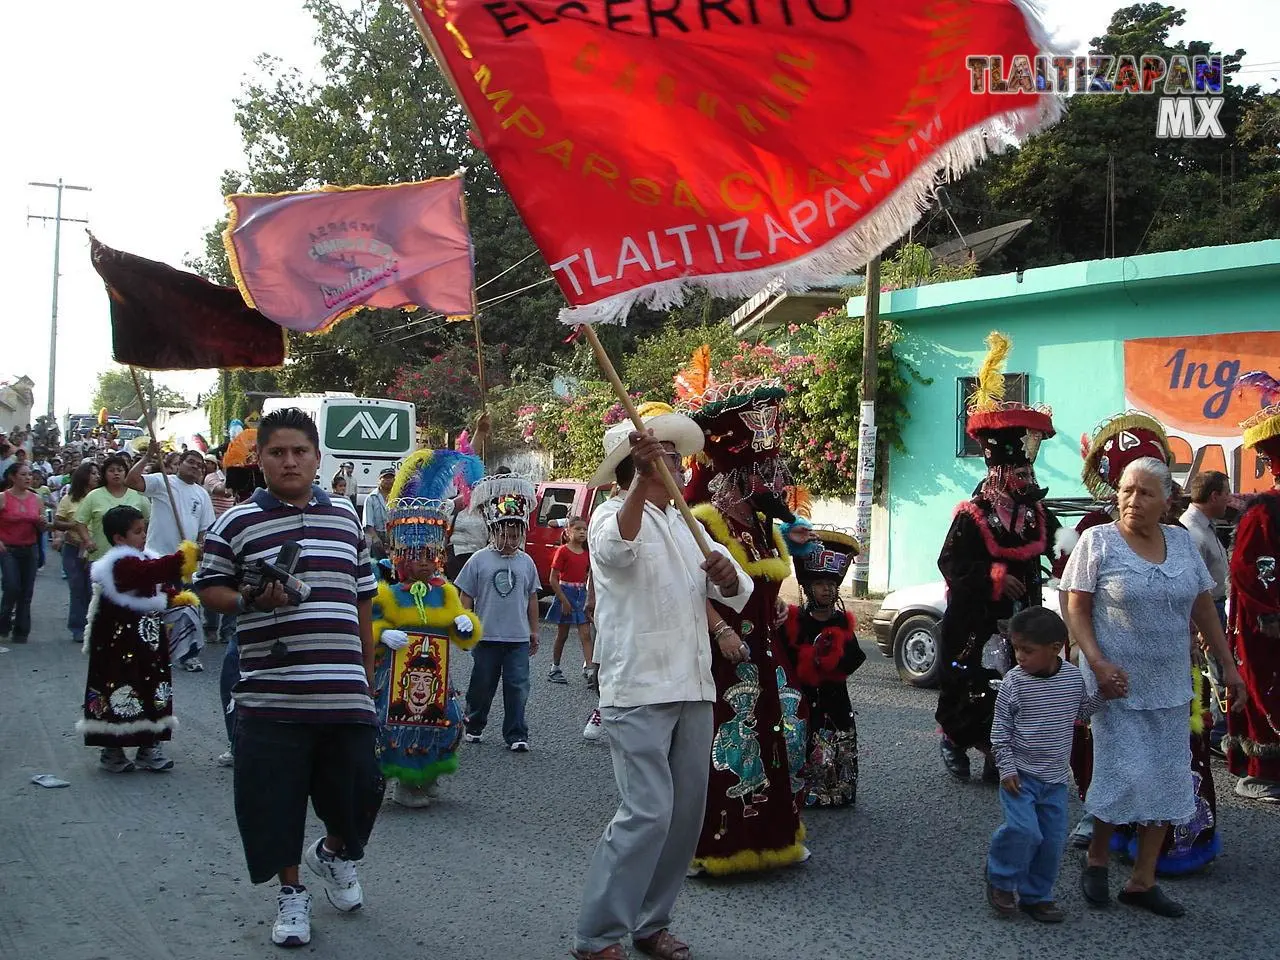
(1095, 886)
(615, 951)
(1153, 899)
(662, 946)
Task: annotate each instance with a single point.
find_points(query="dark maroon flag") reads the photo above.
(167, 319)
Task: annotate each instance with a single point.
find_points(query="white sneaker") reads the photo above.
(594, 730)
(153, 759)
(227, 759)
(407, 796)
(341, 885)
(293, 918)
(472, 737)
(519, 747)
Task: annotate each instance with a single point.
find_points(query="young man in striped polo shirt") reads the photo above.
(305, 722)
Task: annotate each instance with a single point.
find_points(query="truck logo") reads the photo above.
(368, 429)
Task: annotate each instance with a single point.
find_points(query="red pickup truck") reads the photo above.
(558, 501)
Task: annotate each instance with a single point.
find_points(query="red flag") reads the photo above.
(651, 145)
(167, 319)
(310, 258)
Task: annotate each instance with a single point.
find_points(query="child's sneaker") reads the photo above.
(556, 675)
(414, 797)
(151, 758)
(193, 665)
(472, 737)
(113, 760)
(520, 746)
(341, 885)
(293, 917)
(593, 730)
(227, 759)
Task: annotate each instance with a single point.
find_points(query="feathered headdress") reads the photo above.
(1118, 442)
(1009, 432)
(242, 451)
(417, 513)
(428, 474)
(692, 382)
(1262, 430)
(505, 497)
(832, 560)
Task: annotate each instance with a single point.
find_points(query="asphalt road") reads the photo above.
(148, 866)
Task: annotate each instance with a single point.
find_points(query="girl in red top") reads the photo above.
(21, 523)
(570, 568)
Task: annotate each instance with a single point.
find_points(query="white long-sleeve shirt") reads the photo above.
(651, 616)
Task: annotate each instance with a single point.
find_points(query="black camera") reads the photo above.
(281, 571)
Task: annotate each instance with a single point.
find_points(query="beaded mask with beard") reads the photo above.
(1016, 483)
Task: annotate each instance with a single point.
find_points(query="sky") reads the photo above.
(134, 99)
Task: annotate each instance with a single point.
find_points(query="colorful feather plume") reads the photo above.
(989, 393)
(1263, 384)
(243, 450)
(694, 380)
(800, 501)
(428, 474)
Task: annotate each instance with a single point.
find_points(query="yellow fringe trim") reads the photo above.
(753, 861)
(233, 261)
(390, 615)
(776, 568)
(1131, 420)
(1263, 425)
(190, 559)
(1197, 701)
(184, 599)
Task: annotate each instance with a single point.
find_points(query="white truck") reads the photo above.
(367, 432)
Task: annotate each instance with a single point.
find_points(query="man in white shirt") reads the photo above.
(194, 517)
(656, 689)
(375, 514)
(1210, 499)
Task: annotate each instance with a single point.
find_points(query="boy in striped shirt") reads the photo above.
(1036, 710)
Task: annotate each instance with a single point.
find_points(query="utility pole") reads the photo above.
(867, 429)
(58, 220)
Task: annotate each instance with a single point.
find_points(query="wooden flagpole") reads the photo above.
(673, 488)
(482, 439)
(151, 429)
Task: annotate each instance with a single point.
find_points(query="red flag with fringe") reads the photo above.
(168, 319)
(654, 145)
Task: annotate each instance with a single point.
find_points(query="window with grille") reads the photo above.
(1015, 390)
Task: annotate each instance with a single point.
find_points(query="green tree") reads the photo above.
(115, 391)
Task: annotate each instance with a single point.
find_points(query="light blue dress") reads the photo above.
(1142, 621)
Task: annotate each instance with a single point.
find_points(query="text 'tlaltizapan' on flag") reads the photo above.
(310, 258)
(654, 147)
(168, 319)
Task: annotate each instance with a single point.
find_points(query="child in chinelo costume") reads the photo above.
(755, 792)
(825, 651)
(416, 619)
(128, 697)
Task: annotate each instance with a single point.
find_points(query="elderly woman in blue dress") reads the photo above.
(1134, 588)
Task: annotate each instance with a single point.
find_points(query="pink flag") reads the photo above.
(310, 258)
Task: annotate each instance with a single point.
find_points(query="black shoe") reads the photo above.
(954, 759)
(990, 773)
(1153, 900)
(1095, 885)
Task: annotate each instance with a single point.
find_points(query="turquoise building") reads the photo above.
(1167, 333)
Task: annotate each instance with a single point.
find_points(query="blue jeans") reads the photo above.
(76, 568)
(230, 675)
(222, 624)
(1026, 850)
(17, 587)
(489, 660)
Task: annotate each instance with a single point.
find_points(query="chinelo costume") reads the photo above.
(1001, 532)
(755, 793)
(1116, 443)
(128, 697)
(415, 624)
(825, 653)
(1253, 736)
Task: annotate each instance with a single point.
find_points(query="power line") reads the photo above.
(506, 271)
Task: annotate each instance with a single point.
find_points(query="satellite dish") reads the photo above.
(979, 245)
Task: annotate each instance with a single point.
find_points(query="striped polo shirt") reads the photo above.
(1034, 721)
(300, 664)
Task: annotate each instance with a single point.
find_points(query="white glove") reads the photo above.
(395, 639)
(463, 624)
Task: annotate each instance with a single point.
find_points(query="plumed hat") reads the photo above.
(1262, 430)
(740, 420)
(1009, 433)
(504, 497)
(417, 514)
(1118, 442)
(832, 560)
